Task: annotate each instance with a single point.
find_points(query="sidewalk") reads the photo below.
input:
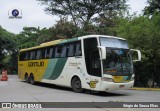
(145, 89)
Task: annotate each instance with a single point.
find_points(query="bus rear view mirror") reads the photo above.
(103, 52)
(136, 55)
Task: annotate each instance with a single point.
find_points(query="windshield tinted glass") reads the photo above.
(113, 42)
(118, 62)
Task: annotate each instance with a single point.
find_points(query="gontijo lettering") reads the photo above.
(36, 64)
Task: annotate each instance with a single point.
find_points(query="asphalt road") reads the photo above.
(15, 90)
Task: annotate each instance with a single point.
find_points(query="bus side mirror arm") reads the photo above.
(138, 53)
(103, 52)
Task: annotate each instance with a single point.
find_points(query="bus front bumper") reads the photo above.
(108, 86)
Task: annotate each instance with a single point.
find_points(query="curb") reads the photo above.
(146, 89)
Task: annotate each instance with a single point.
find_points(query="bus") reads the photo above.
(93, 62)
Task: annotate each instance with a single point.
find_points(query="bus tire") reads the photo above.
(76, 85)
(32, 79)
(27, 79)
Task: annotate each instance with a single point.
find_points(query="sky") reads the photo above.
(33, 14)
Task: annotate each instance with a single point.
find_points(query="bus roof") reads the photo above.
(90, 36)
(43, 45)
(61, 41)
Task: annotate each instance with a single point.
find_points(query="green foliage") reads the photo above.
(154, 7)
(81, 10)
(7, 40)
(63, 29)
(45, 35)
(143, 33)
(28, 37)
(7, 46)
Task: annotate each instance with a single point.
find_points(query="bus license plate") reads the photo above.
(121, 86)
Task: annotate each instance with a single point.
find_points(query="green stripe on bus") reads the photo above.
(50, 68)
(58, 68)
(68, 40)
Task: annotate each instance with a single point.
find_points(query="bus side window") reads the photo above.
(64, 48)
(47, 51)
(27, 56)
(71, 50)
(58, 51)
(51, 52)
(42, 53)
(35, 56)
(78, 51)
(38, 54)
(22, 56)
(67, 50)
(32, 55)
(30, 58)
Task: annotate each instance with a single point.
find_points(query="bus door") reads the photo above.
(92, 61)
(95, 64)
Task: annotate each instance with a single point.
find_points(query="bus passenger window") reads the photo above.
(22, 56)
(47, 51)
(35, 54)
(38, 54)
(32, 55)
(64, 51)
(42, 53)
(78, 50)
(27, 56)
(51, 53)
(71, 50)
(58, 51)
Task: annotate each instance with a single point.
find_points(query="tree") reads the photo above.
(107, 22)
(65, 29)
(81, 10)
(7, 46)
(27, 37)
(45, 35)
(154, 7)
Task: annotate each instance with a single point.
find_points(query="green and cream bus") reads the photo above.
(94, 62)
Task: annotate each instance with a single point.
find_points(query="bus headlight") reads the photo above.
(107, 79)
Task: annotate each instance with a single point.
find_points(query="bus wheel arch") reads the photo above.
(26, 77)
(76, 84)
(32, 79)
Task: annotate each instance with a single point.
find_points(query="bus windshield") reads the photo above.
(118, 62)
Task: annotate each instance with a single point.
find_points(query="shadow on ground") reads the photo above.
(95, 93)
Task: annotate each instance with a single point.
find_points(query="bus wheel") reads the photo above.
(27, 78)
(32, 79)
(76, 85)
